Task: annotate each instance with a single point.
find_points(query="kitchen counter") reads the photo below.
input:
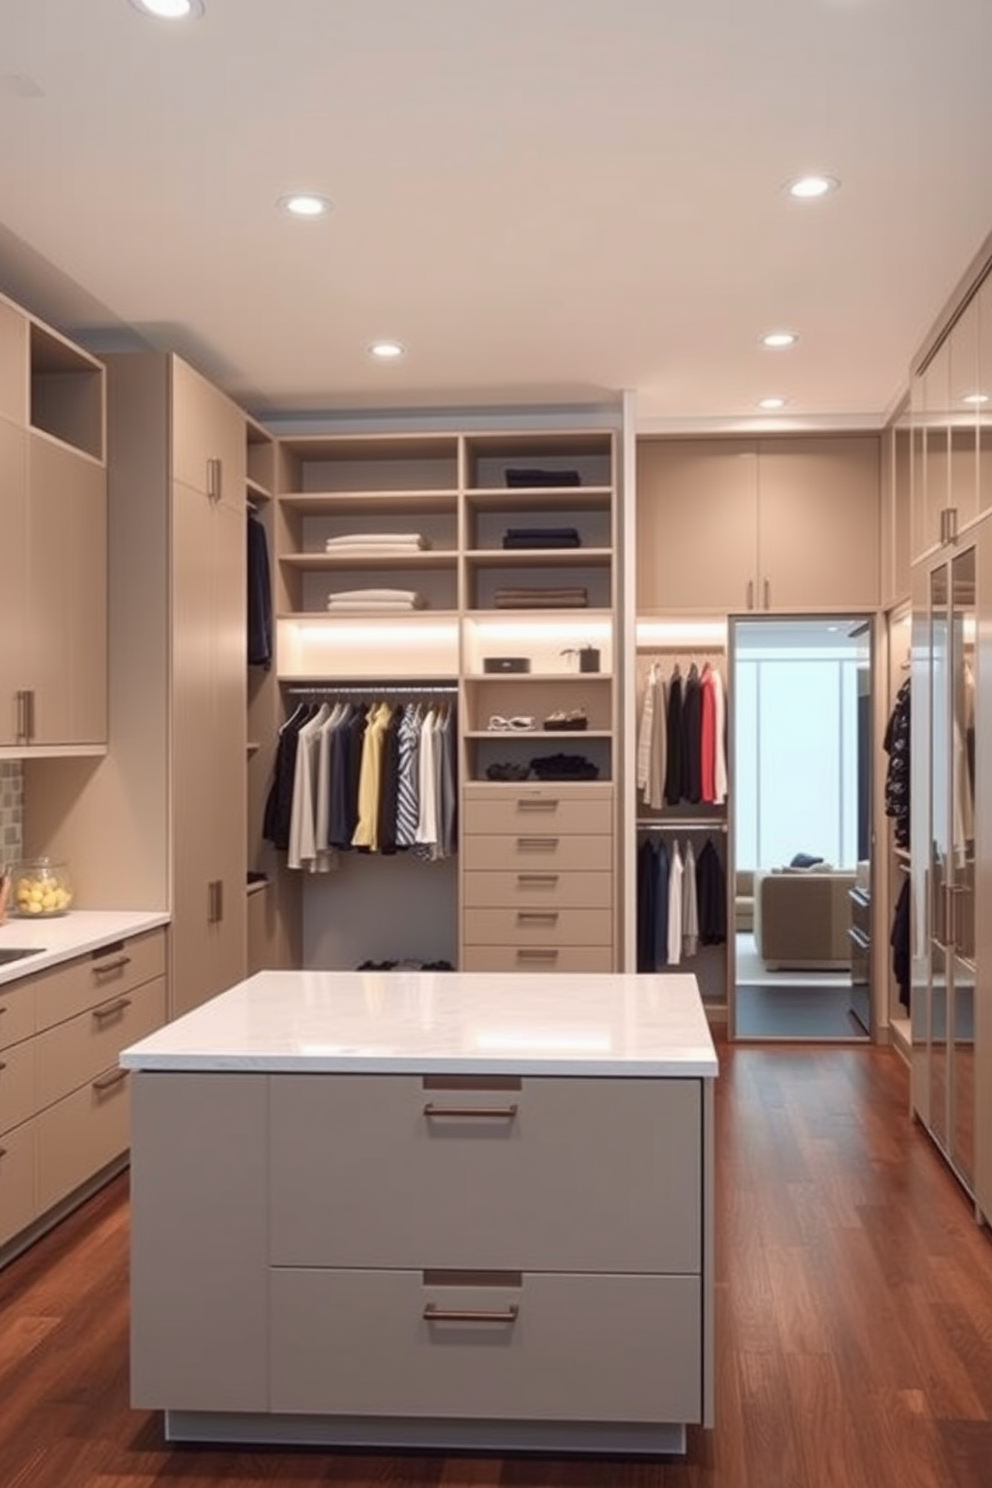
(427, 1209)
(64, 936)
(370, 1022)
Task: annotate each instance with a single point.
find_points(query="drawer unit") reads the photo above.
(539, 926)
(448, 1173)
(77, 1050)
(107, 973)
(538, 888)
(17, 1180)
(427, 1345)
(17, 1012)
(536, 958)
(18, 1095)
(81, 1134)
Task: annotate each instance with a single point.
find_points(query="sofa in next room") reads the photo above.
(801, 919)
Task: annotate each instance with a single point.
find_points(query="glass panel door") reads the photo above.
(940, 847)
(961, 900)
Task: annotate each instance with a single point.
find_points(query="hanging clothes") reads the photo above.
(675, 875)
(896, 744)
(719, 737)
(673, 733)
(690, 910)
(259, 596)
(707, 737)
(278, 811)
(652, 750)
(711, 896)
(691, 771)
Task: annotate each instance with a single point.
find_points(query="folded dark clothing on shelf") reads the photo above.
(541, 542)
(507, 770)
(543, 532)
(528, 476)
(564, 767)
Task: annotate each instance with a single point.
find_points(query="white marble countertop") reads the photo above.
(64, 936)
(442, 1023)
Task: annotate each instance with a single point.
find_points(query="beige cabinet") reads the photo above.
(537, 882)
(270, 1275)
(770, 524)
(64, 1106)
(178, 459)
(53, 568)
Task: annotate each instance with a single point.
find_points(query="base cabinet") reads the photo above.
(420, 1253)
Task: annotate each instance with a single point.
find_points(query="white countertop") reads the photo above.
(64, 936)
(442, 1023)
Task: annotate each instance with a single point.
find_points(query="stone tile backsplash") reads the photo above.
(11, 810)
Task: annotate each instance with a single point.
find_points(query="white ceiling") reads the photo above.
(544, 200)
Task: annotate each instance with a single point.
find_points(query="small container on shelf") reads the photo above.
(42, 888)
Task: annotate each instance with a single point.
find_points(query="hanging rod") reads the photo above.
(679, 824)
(377, 689)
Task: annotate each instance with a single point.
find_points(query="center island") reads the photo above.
(427, 1209)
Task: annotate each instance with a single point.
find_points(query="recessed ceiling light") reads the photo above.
(771, 403)
(777, 339)
(304, 204)
(975, 398)
(170, 10)
(809, 188)
(386, 351)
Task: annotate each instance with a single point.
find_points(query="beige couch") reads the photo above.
(801, 920)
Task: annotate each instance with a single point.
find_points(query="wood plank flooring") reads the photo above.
(854, 1321)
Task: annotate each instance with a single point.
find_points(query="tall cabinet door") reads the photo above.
(15, 673)
(208, 698)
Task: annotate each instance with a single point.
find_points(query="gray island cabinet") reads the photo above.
(427, 1209)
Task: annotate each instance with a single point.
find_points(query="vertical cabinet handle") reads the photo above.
(25, 715)
(768, 594)
(750, 594)
(214, 478)
(215, 901)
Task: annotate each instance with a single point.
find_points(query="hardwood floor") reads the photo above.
(854, 1321)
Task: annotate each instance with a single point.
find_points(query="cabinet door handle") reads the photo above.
(214, 478)
(435, 1314)
(25, 715)
(537, 844)
(100, 968)
(537, 916)
(537, 953)
(3, 1152)
(215, 901)
(768, 594)
(539, 803)
(484, 1113)
(537, 880)
(750, 594)
(109, 1009)
(2, 1066)
(109, 1080)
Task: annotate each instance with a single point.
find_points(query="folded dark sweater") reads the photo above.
(543, 532)
(531, 477)
(538, 541)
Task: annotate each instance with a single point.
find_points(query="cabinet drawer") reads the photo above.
(550, 888)
(537, 958)
(18, 1194)
(80, 1134)
(539, 926)
(78, 1049)
(537, 850)
(17, 1012)
(579, 1347)
(18, 1096)
(539, 812)
(107, 973)
(486, 1171)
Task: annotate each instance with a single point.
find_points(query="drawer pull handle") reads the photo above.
(485, 1113)
(3, 1152)
(542, 803)
(2, 1066)
(110, 1008)
(537, 916)
(109, 1080)
(537, 880)
(537, 844)
(118, 964)
(435, 1314)
(536, 953)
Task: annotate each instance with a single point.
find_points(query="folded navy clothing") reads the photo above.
(564, 767)
(542, 532)
(531, 477)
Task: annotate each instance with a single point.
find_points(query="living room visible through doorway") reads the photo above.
(801, 751)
